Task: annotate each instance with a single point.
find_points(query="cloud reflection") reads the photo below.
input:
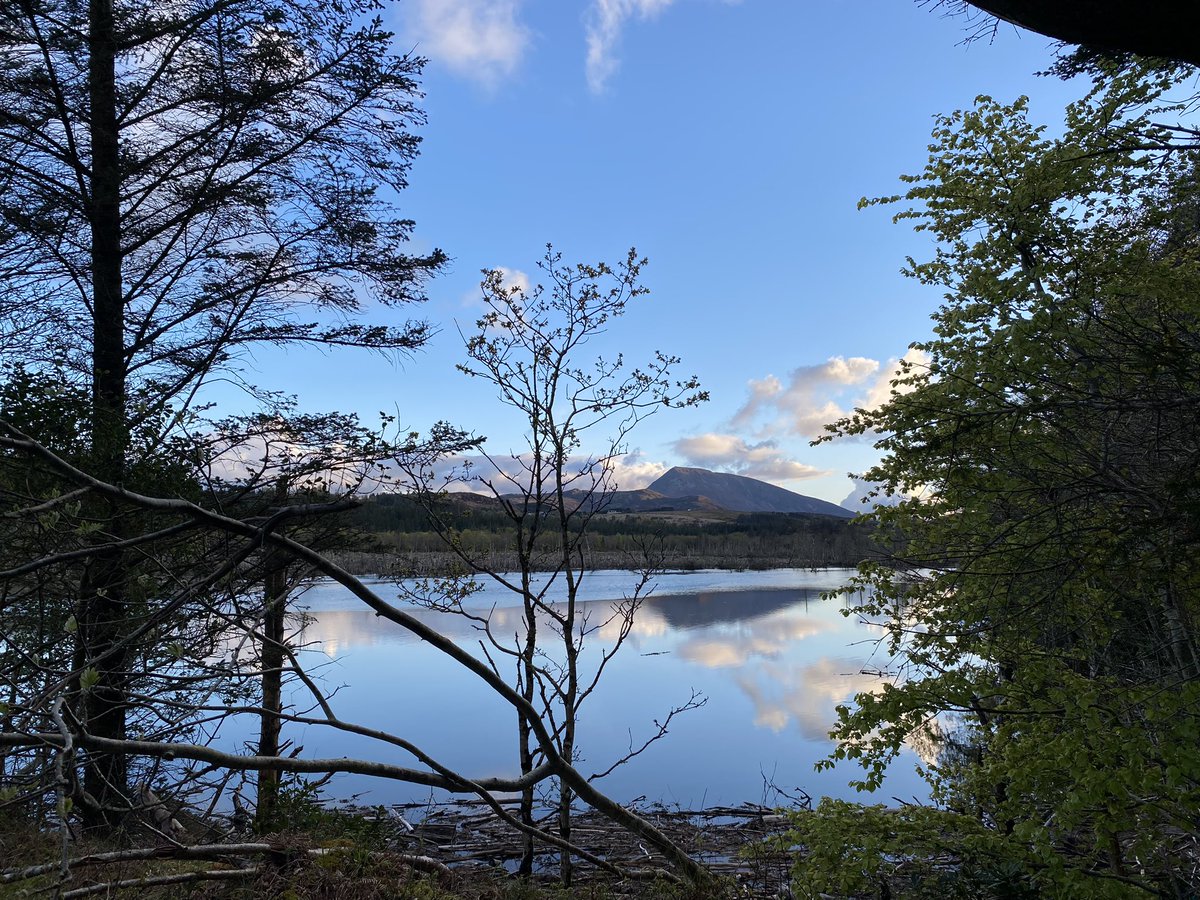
(787, 655)
(766, 638)
(726, 654)
(805, 694)
(783, 691)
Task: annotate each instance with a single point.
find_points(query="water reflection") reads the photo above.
(805, 695)
(768, 637)
(688, 611)
(774, 661)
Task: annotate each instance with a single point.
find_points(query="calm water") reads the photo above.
(772, 658)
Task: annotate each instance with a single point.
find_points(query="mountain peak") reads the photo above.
(739, 493)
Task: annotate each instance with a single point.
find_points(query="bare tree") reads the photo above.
(577, 417)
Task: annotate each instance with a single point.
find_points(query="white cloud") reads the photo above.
(861, 500)
(605, 21)
(632, 471)
(509, 278)
(881, 390)
(804, 399)
(270, 453)
(483, 40)
(732, 453)
(514, 278)
(510, 473)
(817, 395)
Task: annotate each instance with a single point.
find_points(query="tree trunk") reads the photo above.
(271, 659)
(102, 594)
(571, 567)
(567, 751)
(564, 824)
(525, 680)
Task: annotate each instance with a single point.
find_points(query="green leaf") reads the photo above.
(88, 679)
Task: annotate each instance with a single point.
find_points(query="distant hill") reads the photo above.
(647, 500)
(714, 521)
(701, 489)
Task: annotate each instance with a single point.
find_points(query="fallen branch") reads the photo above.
(200, 753)
(209, 852)
(159, 880)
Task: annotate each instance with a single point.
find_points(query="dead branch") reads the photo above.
(111, 887)
(171, 751)
(207, 852)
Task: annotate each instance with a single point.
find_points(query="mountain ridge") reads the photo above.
(685, 487)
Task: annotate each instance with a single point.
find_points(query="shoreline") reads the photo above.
(742, 843)
(440, 564)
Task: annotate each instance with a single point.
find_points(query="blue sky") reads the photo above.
(729, 142)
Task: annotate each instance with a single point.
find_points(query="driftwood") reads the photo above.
(110, 888)
(736, 842)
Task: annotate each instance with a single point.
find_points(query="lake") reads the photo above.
(771, 656)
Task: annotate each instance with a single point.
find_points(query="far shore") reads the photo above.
(439, 564)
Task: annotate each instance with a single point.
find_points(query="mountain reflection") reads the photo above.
(344, 628)
(688, 611)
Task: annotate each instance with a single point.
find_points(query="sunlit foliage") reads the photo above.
(1043, 616)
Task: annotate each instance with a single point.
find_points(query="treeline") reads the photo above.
(403, 538)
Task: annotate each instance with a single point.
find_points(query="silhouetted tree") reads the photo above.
(1159, 28)
(180, 183)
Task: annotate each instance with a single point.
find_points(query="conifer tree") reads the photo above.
(182, 182)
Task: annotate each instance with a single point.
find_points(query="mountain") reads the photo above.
(733, 492)
(684, 489)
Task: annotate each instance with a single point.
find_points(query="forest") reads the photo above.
(407, 545)
(185, 185)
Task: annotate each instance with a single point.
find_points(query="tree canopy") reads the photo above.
(1043, 614)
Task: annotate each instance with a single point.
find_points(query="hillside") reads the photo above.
(737, 493)
(647, 500)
